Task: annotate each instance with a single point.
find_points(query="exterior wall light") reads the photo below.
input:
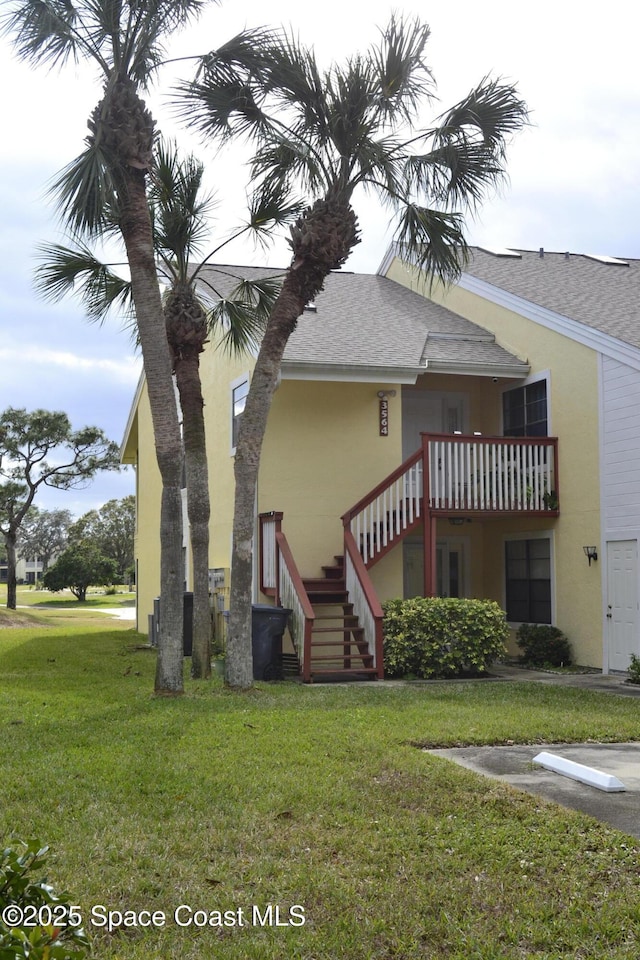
(591, 553)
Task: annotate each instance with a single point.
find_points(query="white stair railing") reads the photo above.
(393, 508)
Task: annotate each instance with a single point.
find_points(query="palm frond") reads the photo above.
(224, 98)
(467, 151)
(85, 194)
(43, 31)
(490, 113)
(150, 22)
(179, 206)
(67, 270)
(272, 205)
(242, 316)
(432, 240)
(405, 81)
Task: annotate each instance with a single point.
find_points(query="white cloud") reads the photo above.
(125, 371)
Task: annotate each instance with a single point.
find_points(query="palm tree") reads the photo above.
(124, 39)
(192, 308)
(331, 133)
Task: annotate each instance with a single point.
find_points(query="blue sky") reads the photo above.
(574, 173)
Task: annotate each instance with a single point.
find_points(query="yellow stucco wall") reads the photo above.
(148, 498)
(218, 371)
(574, 420)
(322, 454)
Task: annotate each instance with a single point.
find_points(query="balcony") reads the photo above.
(496, 475)
(457, 474)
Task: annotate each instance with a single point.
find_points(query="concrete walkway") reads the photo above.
(513, 764)
(601, 683)
(122, 613)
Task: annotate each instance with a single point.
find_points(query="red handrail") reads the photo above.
(285, 551)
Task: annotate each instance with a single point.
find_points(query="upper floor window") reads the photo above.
(239, 393)
(525, 410)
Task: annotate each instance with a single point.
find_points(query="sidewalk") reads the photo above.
(601, 683)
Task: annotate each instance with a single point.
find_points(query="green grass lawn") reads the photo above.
(312, 796)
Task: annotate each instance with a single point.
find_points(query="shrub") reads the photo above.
(543, 645)
(442, 636)
(34, 921)
(634, 669)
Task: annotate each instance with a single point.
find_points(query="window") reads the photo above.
(528, 580)
(239, 393)
(525, 410)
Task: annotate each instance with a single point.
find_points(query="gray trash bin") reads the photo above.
(267, 627)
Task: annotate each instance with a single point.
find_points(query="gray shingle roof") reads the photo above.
(369, 321)
(604, 296)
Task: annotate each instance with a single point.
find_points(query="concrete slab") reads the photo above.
(514, 765)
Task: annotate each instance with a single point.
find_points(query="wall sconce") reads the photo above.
(386, 393)
(591, 553)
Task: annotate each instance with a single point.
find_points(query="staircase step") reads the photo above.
(318, 584)
(336, 658)
(324, 597)
(338, 616)
(344, 629)
(333, 572)
(338, 645)
(349, 672)
(346, 607)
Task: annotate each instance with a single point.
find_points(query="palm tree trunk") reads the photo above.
(253, 424)
(321, 240)
(195, 451)
(135, 225)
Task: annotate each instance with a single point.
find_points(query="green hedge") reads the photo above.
(442, 636)
(543, 645)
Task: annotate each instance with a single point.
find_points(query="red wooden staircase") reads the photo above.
(338, 648)
(336, 619)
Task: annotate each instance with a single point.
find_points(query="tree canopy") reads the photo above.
(41, 449)
(79, 567)
(111, 529)
(43, 534)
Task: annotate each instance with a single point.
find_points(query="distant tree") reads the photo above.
(43, 534)
(40, 449)
(111, 529)
(78, 567)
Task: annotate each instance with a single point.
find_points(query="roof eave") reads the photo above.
(472, 368)
(348, 372)
(127, 455)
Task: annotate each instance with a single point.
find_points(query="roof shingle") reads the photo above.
(605, 296)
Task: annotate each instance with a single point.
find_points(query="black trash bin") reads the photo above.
(267, 627)
(187, 623)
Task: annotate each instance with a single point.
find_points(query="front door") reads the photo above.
(622, 602)
(430, 411)
(450, 568)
